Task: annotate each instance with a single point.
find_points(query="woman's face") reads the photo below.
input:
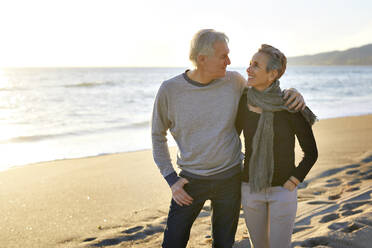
(258, 77)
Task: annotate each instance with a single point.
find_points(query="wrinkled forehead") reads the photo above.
(221, 47)
(260, 58)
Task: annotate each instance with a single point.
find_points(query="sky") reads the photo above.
(139, 33)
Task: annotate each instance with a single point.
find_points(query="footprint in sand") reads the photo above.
(351, 172)
(346, 227)
(351, 228)
(367, 177)
(132, 234)
(330, 172)
(347, 209)
(354, 204)
(334, 171)
(352, 189)
(319, 192)
(363, 173)
(335, 197)
(150, 230)
(133, 229)
(107, 242)
(338, 225)
(367, 159)
(319, 202)
(366, 220)
(351, 212)
(315, 242)
(366, 174)
(352, 166)
(355, 181)
(300, 228)
(89, 239)
(333, 182)
(329, 218)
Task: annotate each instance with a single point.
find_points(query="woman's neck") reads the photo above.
(260, 88)
(263, 87)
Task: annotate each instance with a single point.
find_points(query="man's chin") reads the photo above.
(223, 73)
(220, 75)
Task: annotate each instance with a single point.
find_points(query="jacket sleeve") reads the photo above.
(307, 142)
(239, 121)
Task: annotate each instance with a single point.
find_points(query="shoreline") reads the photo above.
(11, 167)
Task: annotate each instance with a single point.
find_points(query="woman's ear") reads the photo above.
(273, 74)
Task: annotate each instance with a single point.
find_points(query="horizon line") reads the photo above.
(137, 67)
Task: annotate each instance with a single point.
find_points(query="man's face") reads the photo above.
(216, 64)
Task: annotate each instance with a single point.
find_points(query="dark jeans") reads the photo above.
(225, 202)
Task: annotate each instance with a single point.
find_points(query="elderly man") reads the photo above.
(199, 108)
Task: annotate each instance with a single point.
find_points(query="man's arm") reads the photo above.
(159, 127)
(160, 150)
(241, 80)
(294, 99)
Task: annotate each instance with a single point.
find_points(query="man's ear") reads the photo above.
(201, 59)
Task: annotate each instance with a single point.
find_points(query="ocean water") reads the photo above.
(57, 113)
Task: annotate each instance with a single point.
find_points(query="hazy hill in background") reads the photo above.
(353, 56)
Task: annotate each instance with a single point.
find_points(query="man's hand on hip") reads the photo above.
(179, 194)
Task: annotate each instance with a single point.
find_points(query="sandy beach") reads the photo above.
(121, 200)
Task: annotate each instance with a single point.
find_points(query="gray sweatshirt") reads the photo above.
(201, 118)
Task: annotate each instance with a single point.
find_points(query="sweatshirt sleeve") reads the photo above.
(240, 80)
(307, 142)
(159, 126)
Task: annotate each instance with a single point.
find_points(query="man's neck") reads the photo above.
(200, 76)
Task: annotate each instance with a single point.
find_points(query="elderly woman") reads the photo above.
(270, 177)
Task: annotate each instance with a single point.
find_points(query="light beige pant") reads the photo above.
(270, 216)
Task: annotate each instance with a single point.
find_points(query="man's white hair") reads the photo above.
(203, 41)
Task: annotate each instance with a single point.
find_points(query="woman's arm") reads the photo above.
(307, 142)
